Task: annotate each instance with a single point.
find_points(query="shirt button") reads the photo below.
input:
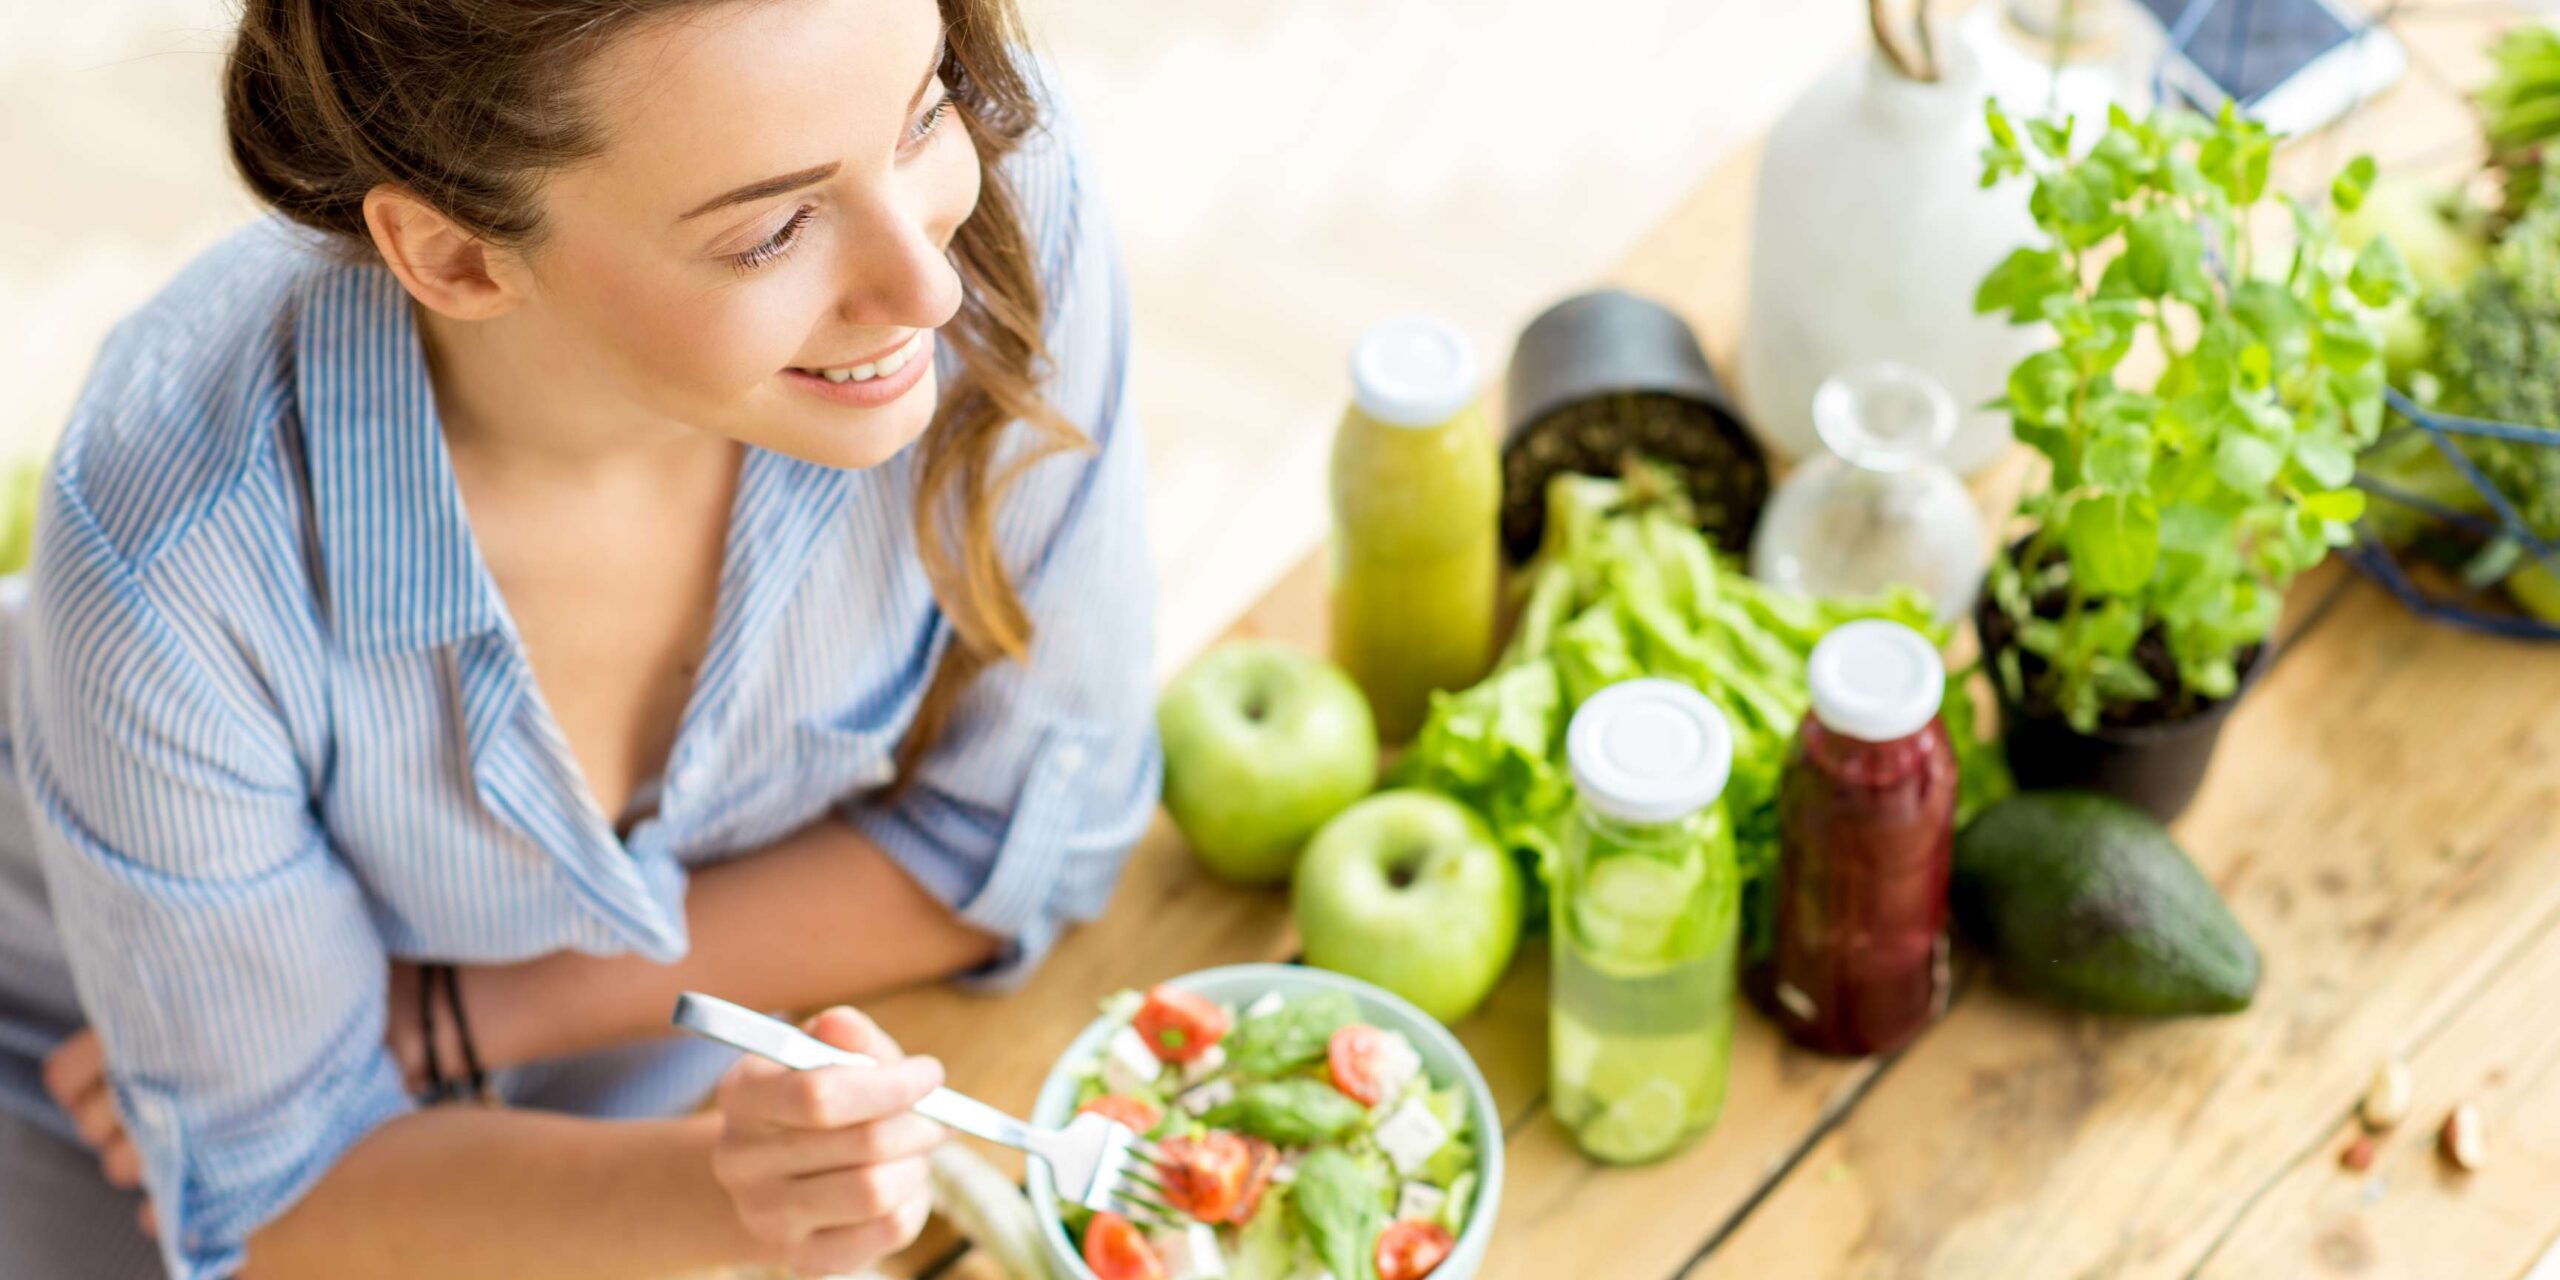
(1070, 758)
(692, 777)
(151, 1112)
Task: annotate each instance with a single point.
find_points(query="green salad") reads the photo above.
(1297, 1142)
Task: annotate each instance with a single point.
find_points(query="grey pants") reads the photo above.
(59, 1220)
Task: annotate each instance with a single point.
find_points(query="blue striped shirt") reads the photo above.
(273, 727)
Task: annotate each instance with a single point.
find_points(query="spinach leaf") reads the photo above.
(1336, 1199)
(1291, 1113)
(1290, 1036)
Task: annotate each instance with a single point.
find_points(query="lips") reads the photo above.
(879, 367)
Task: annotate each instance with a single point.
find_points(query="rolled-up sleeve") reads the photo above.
(220, 947)
(1023, 812)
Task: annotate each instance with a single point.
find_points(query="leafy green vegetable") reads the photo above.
(2497, 345)
(2520, 110)
(1293, 1035)
(1292, 1112)
(2179, 503)
(1267, 1249)
(1336, 1199)
(1624, 586)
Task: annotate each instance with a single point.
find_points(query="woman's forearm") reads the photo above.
(824, 916)
(466, 1191)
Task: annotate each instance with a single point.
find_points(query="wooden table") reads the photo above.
(2383, 818)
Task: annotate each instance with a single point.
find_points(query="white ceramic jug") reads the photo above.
(1870, 234)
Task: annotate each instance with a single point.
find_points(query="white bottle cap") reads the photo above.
(1414, 371)
(1876, 681)
(1649, 751)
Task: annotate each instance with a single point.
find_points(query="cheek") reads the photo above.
(955, 189)
(684, 338)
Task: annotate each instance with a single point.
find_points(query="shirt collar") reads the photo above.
(397, 555)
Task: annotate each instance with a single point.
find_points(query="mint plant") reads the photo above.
(2201, 409)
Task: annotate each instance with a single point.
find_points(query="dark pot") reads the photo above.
(1605, 373)
(2154, 767)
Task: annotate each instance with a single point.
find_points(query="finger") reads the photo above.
(121, 1163)
(829, 1097)
(96, 1119)
(75, 1067)
(846, 1027)
(800, 1152)
(847, 1197)
(854, 1248)
(149, 1220)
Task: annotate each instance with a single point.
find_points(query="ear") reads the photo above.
(446, 268)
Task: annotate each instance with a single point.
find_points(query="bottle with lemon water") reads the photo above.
(1646, 922)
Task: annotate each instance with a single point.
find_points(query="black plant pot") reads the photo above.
(2154, 767)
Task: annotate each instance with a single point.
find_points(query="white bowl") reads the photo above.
(1242, 984)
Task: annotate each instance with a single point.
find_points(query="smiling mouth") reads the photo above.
(866, 372)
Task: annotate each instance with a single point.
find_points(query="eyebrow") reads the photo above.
(774, 186)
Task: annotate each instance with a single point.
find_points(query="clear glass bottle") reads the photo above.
(1880, 509)
(1417, 487)
(1866, 838)
(1646, 923)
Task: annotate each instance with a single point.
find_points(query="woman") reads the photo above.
(657, 511)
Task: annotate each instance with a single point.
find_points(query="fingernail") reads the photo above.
(928, 1073)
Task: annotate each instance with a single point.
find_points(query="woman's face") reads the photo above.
(759, 251)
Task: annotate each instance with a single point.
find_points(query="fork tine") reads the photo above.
(1142, 1208)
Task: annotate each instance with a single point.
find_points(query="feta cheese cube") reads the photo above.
(1284, 1171)
(1191, 1253)
(1420, 1200)
(1201, 1098)
(1269, 1003)
(1206, 1065)
(1128, 1065)
(1410, 1135)
(1399, 1066)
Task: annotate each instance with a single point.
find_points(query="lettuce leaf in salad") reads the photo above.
(1335, 1199)
(1293, 1112)
(1291, 1036)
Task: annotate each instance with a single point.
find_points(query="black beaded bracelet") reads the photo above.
(439, 982)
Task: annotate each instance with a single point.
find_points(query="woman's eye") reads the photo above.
(777, 244)
(929, 121)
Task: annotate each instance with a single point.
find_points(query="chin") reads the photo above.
(852, 439)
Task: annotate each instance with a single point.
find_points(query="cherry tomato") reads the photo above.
(1180, 1025)
(1408, 1250)
(1257, 1180)
(1137, 1113)
(1204, 1176)
(1368, 1065)
(1117, 1250)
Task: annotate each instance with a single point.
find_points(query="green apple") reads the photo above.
(1262, 744)
(1408, 889)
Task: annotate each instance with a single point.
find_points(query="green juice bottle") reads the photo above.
(1416, 490)
(1646, 922)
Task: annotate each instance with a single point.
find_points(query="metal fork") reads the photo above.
(1096, 1161)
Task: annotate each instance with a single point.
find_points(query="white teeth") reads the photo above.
(881, 368)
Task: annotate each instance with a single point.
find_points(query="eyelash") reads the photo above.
(779, 244)
(932, 119)
(782, 240)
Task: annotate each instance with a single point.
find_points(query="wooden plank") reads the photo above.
(2412, 1214)
(2380, 819)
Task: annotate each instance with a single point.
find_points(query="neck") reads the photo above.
(504, 394)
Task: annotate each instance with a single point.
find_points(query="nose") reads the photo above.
(896, 273)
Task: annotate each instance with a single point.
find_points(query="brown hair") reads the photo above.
(469, 103)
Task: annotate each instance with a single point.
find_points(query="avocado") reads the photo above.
(2086, 901)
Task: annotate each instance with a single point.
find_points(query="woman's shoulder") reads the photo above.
(184, 405)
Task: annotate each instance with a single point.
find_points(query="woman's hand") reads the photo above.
(827, 1167)
(75, 1073)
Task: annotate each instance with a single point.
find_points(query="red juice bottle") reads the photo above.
(1866, 824)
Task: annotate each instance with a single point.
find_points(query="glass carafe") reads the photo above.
(1879, 509)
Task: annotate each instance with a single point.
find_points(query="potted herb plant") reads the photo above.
(2201, 407)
